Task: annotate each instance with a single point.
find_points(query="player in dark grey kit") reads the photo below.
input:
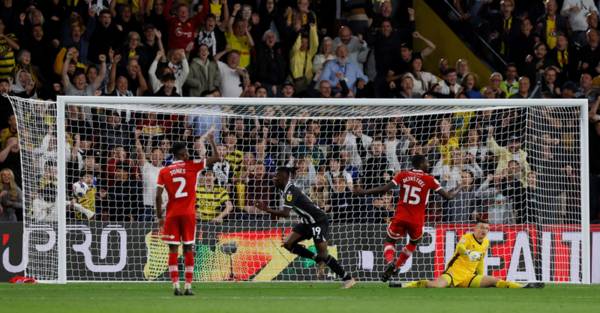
(314, 224)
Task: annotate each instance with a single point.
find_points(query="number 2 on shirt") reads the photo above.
(180, 193)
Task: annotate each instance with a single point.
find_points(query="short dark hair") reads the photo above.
(480, 218)
(449, 70)
(167, 77)
(287, 169)
(417, 159)
(177, 147)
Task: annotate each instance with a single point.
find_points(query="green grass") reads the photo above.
(290, 298)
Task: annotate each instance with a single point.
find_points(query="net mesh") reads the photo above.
(519, 166)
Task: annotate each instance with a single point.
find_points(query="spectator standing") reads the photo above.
(343, 73)
(11, 197)
(550, 24)
(204, 73)
(301, 55)
(576, 11)
(105, 36)
(8, 45)
(234, 78)
(269, 66)
(181, 28)
(238, 37)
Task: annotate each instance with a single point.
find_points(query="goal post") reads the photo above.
(525, 163)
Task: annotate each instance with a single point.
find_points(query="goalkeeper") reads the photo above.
(465, 270)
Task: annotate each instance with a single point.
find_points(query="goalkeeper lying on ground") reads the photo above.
(465, 270)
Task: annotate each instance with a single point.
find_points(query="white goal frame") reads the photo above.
(63, 101)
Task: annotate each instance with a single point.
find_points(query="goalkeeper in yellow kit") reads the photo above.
(465, 270)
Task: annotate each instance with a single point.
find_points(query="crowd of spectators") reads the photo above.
(299, 48)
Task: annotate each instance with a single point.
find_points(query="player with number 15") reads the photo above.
(410, 212)
(179, 226)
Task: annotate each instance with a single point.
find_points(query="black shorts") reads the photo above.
(319, 231)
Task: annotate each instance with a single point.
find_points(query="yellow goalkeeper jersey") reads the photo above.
(468, 257)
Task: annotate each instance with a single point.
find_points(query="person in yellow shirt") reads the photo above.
(466, 268)
(238, 37)
(301, 58)
(212, 202)
(8, 132)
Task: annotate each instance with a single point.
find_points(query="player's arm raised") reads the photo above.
(279, 213)
(449, 195)
(374, 191)
(215, 157)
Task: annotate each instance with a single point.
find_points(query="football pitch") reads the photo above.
(291, 297)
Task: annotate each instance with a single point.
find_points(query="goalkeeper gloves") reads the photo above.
(473, 255)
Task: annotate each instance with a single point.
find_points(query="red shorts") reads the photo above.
(399, 228)
(180, 229)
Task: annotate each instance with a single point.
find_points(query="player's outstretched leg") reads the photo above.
(174, 269)
(334, 265)
(441, 282)
(491, 281)
(188, 253)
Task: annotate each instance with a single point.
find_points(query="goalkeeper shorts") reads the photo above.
(462, 281)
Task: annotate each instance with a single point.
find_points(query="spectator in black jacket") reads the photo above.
(550, 24)
(374, 169)
(504, 27)
(269, 67)
(125, 196)
(105, 36)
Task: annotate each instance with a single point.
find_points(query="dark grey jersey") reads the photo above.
(295, 199)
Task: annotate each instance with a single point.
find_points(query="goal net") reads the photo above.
(90, 166)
